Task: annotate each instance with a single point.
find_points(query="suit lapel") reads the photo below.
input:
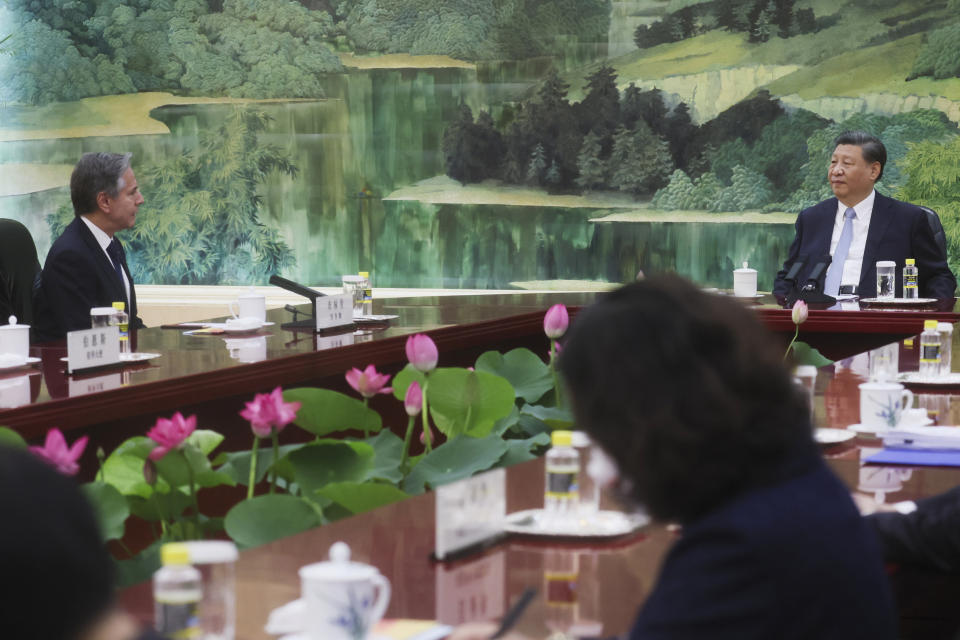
(879, 221)
(107, 274)
(824, 218)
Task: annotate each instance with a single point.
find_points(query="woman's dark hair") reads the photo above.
(687, 392)
(52, 557)
(871, 147)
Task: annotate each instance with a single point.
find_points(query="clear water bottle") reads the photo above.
(367, 293)
(122, 321)
(215, 560)
(910, 279)
(561, 496)
(945, 329)
(929, 350)
(177, 593)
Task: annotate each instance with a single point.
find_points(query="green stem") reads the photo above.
(193, 494)
(366, 405)
(406, 442)
(790, 346)
(276, 456)
(554, 374)
(428, 436)
(253, 466)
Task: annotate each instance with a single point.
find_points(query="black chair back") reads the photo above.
(938, 233)
(18, 270)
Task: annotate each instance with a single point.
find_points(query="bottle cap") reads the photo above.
(944, 327)
(910, 261)
(120, 306)
(561, 439)
(364, 274)
(174, 553)
(908, 343)
(929, 325)
(211, 551)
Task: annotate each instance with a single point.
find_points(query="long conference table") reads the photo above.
(587, 588)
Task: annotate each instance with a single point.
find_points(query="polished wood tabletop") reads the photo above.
(195, 372)
(589, 588)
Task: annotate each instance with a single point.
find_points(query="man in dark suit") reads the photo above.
(860, 227)
(86, 267)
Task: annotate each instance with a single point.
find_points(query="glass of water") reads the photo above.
(886, 279)
(885, 363)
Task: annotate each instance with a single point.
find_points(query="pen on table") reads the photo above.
(515, 612)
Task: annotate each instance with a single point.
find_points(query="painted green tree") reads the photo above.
(202, 222)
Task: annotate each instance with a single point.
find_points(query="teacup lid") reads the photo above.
(745, 269)
(250, 293)
(338, 567)
(12, 324)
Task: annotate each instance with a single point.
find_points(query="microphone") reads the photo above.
(794, 270)
(295, 287)
(813, 282)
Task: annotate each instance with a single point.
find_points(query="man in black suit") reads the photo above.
(860, 227)
(86, 266)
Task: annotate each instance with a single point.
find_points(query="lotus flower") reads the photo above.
(422, 353)
(368, 382)
(556, 321)
(800, 312)
(56, 453)
(413, 401)
(170, 434)
(268, 411)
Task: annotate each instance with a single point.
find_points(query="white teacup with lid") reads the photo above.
(745, 281)
(14, 343)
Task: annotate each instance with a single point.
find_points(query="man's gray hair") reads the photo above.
(94, 173)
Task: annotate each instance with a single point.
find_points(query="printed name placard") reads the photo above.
(92, 348)
(334, 311)
(95, 384)
(470, 511)
(334, 341)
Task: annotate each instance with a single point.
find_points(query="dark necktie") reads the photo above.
(116, 256)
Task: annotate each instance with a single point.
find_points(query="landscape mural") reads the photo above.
(472, 143)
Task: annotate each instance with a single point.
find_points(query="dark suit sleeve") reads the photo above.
(69, 289)
(780, 286)
(936, 279)
(928, 538)
(711, 586)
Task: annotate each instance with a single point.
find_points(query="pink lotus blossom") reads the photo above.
(368, 382)
(170, 434)
(56, 453)
(268, 411)
(422, 353)
(556, 321)
(800, 312)
(413, 401)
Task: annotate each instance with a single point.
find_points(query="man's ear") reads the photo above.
(103, 201)
(875, 171)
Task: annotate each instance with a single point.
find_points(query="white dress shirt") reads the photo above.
(104, 241)
(861, 225)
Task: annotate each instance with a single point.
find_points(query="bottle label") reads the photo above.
(930, 353)
(562, 484)
(178, 620)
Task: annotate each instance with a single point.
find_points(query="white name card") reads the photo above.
(92, 348)
(334, 311)
(470, 511)
(334, 341)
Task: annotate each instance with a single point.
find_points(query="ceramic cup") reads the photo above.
(14, 392)
(745, 282)
(882, 404)
(250, 305)
(14, 341)
(343, 600)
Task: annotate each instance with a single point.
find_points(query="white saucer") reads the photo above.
(11, 367)
(898, 302)
(914, 378)
(833, 436)
(602, 524)
(136, 356)
(862, 428)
